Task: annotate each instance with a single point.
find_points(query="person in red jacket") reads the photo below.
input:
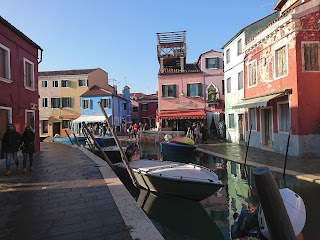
(135, 130)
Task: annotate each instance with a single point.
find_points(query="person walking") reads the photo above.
(204, 133)
(28, 149)
(11, 142)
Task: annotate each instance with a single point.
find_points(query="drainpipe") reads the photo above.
(41, 50)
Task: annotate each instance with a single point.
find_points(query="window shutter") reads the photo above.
(188, 89)
(174, 91)
(217, 62)
(314, 57)
(200, 89)
(163, 90)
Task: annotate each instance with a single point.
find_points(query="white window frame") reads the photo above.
(86, 100)
(34, 117)
(275, 62)
(67, 81)
(303, 60)
(46, 83)
(239, 47)
(45, 99)
(9, 109)
(234, 122)
(240, 80)
(32, 87)
(228, 85)
(254, 127)
(7, 79)
(213, 57)
(248, 75)
(228, 56)
(279, 116)
(86, 82)
(55, 85)
(108, 100)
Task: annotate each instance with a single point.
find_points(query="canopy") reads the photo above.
(257, 101)
(90, 119)
(183, 114)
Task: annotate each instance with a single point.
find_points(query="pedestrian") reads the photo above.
(11, 142)
(135, 129)
(104, 130)
(28, 149)
(130, 131)
(204, 133)
(221, 129)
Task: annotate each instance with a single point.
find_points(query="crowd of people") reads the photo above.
(12, 142)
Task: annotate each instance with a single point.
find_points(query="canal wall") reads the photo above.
(157, 136)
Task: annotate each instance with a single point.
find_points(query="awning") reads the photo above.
(182, 114)
(257, 102)
(90, 119)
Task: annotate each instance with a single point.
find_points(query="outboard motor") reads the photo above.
(131, 149)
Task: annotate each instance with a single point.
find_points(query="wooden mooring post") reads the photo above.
(275, 213)
(123, 155)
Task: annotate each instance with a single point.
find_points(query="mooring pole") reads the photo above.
(123, 155)
(75, 137)
(275, 213)
(68, 136)
(245, 159)
(286, 157)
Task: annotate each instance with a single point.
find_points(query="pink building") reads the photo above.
(18, 81)
(186, 93)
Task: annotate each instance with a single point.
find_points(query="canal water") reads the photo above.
(212, 218)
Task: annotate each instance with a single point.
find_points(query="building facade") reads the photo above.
(19, 59)
(148, 106)
(60, 93)
(281, 80)
(233, 78)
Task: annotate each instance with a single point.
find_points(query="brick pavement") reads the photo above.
(303, 168)
(65, 197)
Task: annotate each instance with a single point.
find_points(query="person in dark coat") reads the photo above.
(204, 133)
(28, 149)
(10, 143)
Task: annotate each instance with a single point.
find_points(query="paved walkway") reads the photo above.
(71, 194)
(303, 168)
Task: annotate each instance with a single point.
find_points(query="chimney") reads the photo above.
(182, 64)
(161, 65)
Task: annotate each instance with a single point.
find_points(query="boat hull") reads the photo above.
(66, 140)
(177, 179)
(168, 147)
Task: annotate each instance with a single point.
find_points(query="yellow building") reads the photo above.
(60, 92)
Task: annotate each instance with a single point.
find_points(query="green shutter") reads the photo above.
(200, 89)
(188, 89)
(217, 62)
(163, 90)
(174, 90)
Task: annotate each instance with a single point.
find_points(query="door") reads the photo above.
(241, 127)
(56, 128)
(266, 128)
(4, 121)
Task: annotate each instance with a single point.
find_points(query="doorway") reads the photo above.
(266, 128)
(4, 121)
(56, 128)
(241, 127)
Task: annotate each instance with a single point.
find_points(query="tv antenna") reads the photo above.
(268, 4)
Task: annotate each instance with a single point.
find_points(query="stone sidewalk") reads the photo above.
(71, 194)
(307, 169)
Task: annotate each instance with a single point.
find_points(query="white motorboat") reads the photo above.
(183, 180)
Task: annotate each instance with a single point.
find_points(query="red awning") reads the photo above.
(183, 114)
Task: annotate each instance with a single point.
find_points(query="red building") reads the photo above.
(148, 106)
(18, 80)
(282, 81)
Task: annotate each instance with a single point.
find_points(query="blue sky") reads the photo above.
(119, 36)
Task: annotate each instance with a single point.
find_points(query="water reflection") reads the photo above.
(239, 191)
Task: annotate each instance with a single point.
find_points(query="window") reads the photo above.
(252, 118)
(212, 62)
(4, 62)
(240, 80)
(228, 85)
(44, 83)
(168, 91)
(284, 117)
(194, 90)
(82, 83)
(65, 83)
(86, 104)
(28, 74)
(106, 102)
(55, 83)
(228, 56)
(144, 107)
(281, 67)
(45, 102)
(311, 52)
(124, 106)
(65, 123)
(135, 109)
(239, 47)
(55, 102)
(45, 124)
(252, 74)
(66, 102)
(231, 121)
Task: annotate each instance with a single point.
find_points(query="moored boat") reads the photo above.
(182, 180)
